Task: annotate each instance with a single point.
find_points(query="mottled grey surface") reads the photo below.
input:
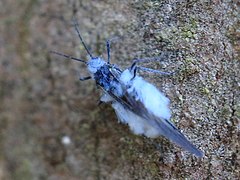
(42, 100)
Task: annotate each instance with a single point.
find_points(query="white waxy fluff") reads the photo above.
(106, 98)
(137, 124)
(149, 95)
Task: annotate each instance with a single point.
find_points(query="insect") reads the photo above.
(136, 102)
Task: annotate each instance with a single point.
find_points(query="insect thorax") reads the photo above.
(107, 81)
(103, 77)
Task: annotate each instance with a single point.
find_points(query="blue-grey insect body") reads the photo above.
(136, 102)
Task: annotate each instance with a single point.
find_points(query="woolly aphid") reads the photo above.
(136, 102)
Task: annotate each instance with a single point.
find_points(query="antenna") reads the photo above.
(68, 56)
(80, 37)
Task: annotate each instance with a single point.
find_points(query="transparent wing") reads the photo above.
(164, 126)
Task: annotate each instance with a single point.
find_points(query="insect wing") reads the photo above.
(128, 103)
(132, 111)
(164, 126)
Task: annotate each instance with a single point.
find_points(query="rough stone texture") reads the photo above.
(42, 100)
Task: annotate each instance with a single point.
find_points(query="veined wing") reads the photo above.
(163, 126)
(130, 104)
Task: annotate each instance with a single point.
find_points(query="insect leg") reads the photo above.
(85, 78)
(108, 51)
(134, 66)
(154, 71)
(133, 69)
(108, 47)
